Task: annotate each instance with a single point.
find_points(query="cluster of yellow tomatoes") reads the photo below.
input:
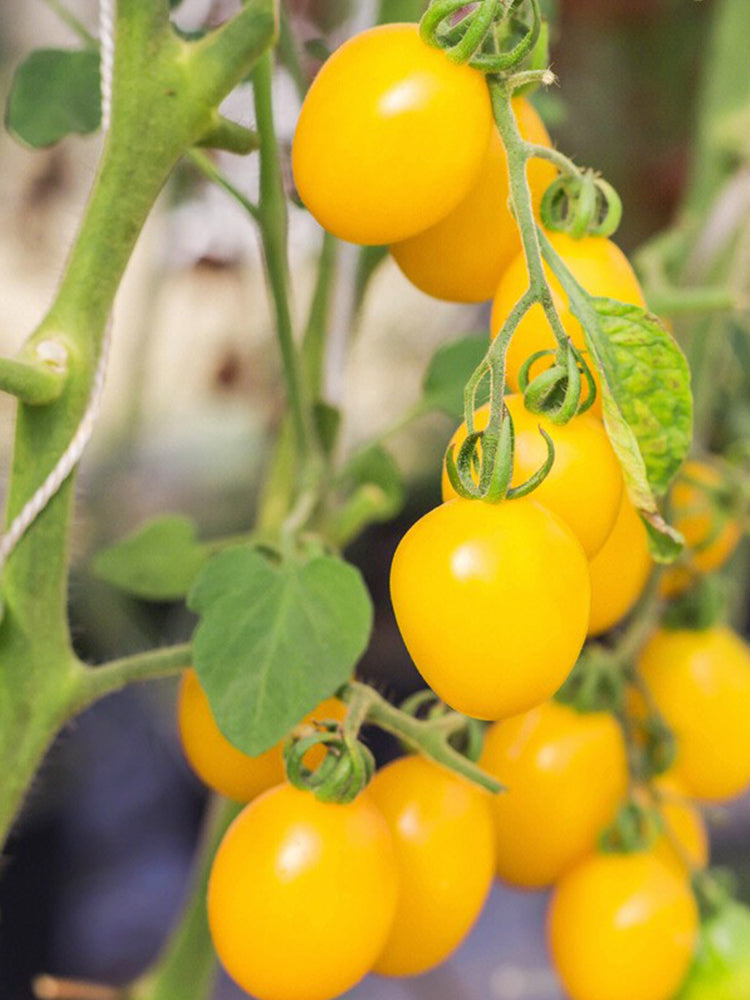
(397, 145)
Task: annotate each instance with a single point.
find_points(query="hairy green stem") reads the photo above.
(98, 682)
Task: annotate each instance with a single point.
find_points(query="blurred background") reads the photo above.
(96, 871)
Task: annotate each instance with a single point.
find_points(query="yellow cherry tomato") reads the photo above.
(391, 136)
(217, 762)
(584, 487)
(700, 682)
(622, 927)
(442, 830)
(596, 263)
(620, 570)
(566, 773)
(709, 542)
(302, 895)
(462, 257)
(492, 601)
(684, 824)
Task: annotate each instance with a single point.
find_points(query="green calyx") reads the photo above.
(557, 391)
(347, 767)
(582, 204)
(495, 36)
(635, 829)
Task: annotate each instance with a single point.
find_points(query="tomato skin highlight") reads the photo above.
(217, 762)
(588, 504)
(391, 136)
(566, 773)
(620, 570)
(302, 895)
(492, 601)
(621, 927)
(708, 545)
(462, 257)
(597, 264)
(444, 839)
(700, 682)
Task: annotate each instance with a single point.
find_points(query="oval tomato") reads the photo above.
(302, 895)
(217, 762)
(620, 570)
(462, 257)
(721, 970)
(596, 263)
(708, 541)
(442, 830)
(621, 927)
(700, 682)
(492, 601)
(584, 486)
(391, 136)
(566, 773)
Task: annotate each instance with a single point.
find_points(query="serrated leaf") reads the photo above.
(450, 369)
(54, 92)
(159, 562)
(275, 639)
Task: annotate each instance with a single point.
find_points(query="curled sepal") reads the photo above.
(497, 462)
(515, 492)
(557, 391)
(524, 374)
(471, 39)
(346, 768)
(635, 828)
(461, 471)
(581, 204)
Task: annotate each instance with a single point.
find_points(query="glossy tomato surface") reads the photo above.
(700, 682)
(621, 927)
(218, 763)
(492, 601)
(596, 263)
(566, 774)
(619, 570)
(302, 895)
(443, 834)
(391, 136)
(584, 487)
(462, 257)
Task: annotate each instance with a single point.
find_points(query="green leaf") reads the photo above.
(450, 369)
(375, 468)
(159, 562)
(275, 639)
(54, 92)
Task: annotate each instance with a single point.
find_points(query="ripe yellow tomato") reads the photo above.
(566, 773)
(596, 263)
(708, 542)
(391, 136)
(462, 257)
(620, 570)
(492, 601)
(218, 763)
(700, 682)
(302, 895)
(442, 830)
(683, 823)
(584, 487)
(622, 927)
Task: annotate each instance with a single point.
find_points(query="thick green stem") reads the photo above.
(98, 682)
(165, 94)
(186, 969)
(35, 384)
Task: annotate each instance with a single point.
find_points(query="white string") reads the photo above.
(72, 454)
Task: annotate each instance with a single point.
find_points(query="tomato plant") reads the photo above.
(566, 773)
(622, 925)
(443, 835)
(317, 868)
(513, 564)
(391, 137)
